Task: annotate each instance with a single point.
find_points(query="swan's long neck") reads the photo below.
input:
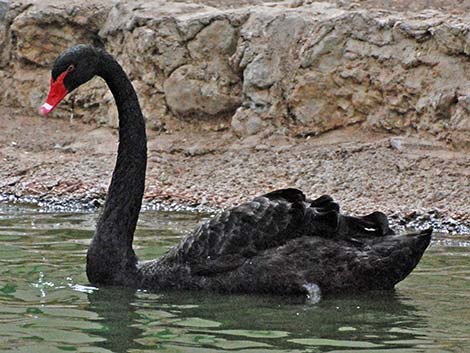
(110, 258)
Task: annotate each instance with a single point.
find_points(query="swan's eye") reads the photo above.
(71, 68)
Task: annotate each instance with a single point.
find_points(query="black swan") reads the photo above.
(280, 242)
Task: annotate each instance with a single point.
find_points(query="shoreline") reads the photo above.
(67, 162)
(398, 222)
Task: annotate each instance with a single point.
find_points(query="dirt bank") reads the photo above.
(413, 178)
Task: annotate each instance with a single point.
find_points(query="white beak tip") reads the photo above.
(45, 109)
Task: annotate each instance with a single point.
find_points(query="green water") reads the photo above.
(46, 304)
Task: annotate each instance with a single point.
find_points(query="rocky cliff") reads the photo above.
(297, 67)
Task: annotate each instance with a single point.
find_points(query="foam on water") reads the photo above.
(314, 292)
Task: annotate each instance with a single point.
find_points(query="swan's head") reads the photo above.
(71, 69)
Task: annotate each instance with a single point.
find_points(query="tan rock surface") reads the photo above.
(300, 68)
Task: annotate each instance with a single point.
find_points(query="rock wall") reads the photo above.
(297, 68)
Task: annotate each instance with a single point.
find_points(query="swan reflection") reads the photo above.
(173, 321)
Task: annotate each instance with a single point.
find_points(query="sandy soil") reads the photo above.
(416, 179)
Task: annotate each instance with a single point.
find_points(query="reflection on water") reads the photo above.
(188, 321)
(46, 304)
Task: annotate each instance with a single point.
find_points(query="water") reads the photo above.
(46, 304)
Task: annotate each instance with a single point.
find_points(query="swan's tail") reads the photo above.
(369, 263)
(395, 256)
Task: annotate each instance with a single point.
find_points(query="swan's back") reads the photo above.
(281, 242)
(335, 266)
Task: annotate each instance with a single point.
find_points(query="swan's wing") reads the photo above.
(237, 234)
(327, 221)
(269, 221)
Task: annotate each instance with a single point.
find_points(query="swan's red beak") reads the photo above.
(57, 92)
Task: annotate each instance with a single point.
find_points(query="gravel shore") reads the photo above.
(412, 179)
